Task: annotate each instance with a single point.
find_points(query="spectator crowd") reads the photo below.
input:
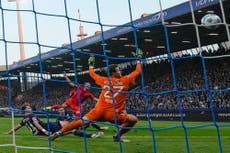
(188, 84)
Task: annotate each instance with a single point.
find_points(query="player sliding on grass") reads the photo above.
(38, 127)
(77, 97)
(111, 100)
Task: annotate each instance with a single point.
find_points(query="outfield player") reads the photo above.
(37, 127)
(77, 97)
(112, 98)
(34, 124)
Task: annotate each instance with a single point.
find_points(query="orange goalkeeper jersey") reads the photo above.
(113, 92)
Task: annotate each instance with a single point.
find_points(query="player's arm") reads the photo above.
(91, 96)
(137, 71)
(69, 81)
(92, 74)
(14, 129)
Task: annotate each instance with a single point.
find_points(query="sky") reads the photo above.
(51, 31)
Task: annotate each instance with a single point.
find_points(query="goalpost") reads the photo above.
(170, 38)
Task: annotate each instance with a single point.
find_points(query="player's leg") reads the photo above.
(54, 126)
(95, 126)
(130, 122)
(75, 124)
(99, 127)
(66, 129)
(63, 123)
(127, 121)
(97, 134)
(81, 133)
(92, 115)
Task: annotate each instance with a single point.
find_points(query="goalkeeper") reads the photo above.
(111, 100)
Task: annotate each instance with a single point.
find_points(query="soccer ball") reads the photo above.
(210, 20)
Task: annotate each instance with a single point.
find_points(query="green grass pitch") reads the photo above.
(168, 139)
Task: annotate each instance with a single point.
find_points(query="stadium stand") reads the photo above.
(158, 78)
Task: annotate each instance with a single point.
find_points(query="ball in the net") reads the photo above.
(211, 21)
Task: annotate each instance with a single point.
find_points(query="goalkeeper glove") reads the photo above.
(91, 61)
(138, 53)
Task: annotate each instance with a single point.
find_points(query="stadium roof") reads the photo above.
(151, 38)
